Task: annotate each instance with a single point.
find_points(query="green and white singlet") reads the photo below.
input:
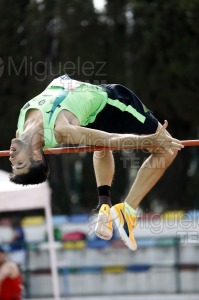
(84, 100)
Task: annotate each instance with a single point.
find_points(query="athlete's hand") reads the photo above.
(164, 140)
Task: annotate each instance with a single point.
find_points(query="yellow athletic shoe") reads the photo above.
(125, 223)
(104, 227)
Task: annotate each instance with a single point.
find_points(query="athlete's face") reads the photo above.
(20, 157)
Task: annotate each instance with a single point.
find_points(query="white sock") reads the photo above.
(129, 209)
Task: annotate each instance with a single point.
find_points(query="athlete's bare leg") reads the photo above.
(149, 174)
(152, 169)
(104, 167)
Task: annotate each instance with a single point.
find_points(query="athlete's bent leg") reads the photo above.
(148, 175)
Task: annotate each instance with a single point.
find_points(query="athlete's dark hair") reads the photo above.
(38, 172)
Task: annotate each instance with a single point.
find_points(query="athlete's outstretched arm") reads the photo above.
(80, 135)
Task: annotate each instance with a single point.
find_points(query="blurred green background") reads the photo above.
(152, 47)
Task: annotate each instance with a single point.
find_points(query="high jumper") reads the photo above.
(102, 117)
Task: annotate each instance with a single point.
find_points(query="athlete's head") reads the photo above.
(28, 166)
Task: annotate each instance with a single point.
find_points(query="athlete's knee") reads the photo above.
(163, 158)
(171, 156)
(168, 157)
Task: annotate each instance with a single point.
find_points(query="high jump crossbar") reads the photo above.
(62, 150)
